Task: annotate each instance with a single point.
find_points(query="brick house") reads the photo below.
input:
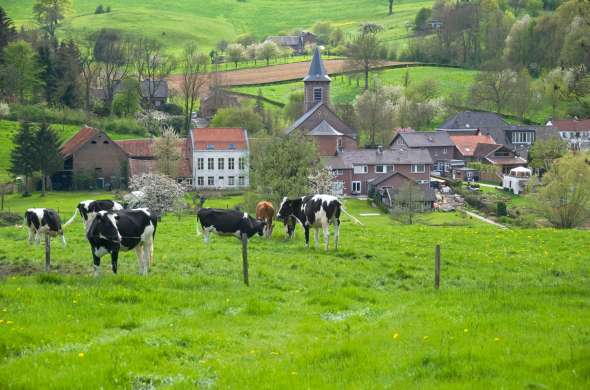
(220, 158)
(356, 169)
(483, 148)
(438, 144)
(319, 121)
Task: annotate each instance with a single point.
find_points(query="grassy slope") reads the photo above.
(512, 310)
(344, 90)
(206, 22)
(9, 128)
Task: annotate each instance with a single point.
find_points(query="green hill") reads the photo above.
(207, 22)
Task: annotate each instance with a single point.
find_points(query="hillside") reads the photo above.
(206, 22)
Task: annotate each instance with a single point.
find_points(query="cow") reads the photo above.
(265, 212)
(88, 209)
(123, 230)
(317, 211)
(228, 223)
(43, 222)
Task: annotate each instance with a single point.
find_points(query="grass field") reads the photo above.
(9, 128)
(344, 90)
(512, 311)
(206, 22)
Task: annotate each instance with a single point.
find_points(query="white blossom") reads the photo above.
(160, 193)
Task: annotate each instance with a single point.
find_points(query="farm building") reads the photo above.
(355, 170)
(154, 93)
(319, 120)
(297, 43)
(220, 158)
(217, 99)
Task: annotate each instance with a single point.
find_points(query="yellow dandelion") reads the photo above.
(425, 338)
(202, 361)
(227, 299)
(1, 321)
(274, 353)
(81, 354)
(9, 322)
(74, 301)
(252, 352)
(5, 310)
(18, 289)
(293, 372)
(396, 336)
(496, 339)
(465, 330)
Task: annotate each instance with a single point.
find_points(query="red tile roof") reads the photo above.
(572, 124)
(137, 147)
(78, 140)
(468, 143)
(220, 138)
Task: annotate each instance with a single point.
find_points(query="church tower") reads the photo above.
(317, 83)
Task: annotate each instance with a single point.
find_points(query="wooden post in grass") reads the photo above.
(47, 253)
(437, 267)
(245, 258)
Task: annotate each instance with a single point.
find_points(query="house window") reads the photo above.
(360, 169)
(220, 181)
(220, 163)
(317, 95)
(210, 181)
(339, 143)
(241, 163)
(231, 181)
(390, 168)
(501, 153)
(232, 146)
(210, 163)
(200, 181)
(200, 163)
(338, 172)
(210, 147)
(523, 137)
(356, 187)
(380, 168)
(418, 168)
(241, 181)
(445, 150)
(231, 164)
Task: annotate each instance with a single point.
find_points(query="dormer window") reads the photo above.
(232, 146)
(317, 95)
(93, 142)
(105, 142)
(210, 147)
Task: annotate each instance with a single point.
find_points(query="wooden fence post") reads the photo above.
(437, 267)
(245, 258)
(47, 253)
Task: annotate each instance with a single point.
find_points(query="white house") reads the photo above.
(517, 180)
(220, 158)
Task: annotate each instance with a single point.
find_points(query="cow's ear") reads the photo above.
(117, 217)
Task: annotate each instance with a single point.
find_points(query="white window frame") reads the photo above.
(221, 163)
(231, 181)
(338, 172)
(416, 166)
(317, 91)
(360, 169)
(383, 168)
(358, 184)
(241, 163)
(241, 181)
(200, 164)
(201, 181)
(523, 137)
(210, 181)
(210, 163)
(231, 163)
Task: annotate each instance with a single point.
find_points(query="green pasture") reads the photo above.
(9, 128)
(207, 22)
(344, 89)
(512, 310)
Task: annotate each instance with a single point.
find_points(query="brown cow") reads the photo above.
(265, 212)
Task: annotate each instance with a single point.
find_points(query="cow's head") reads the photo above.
(259, 227)
(104, 227)
(285, 209)
(290, 227)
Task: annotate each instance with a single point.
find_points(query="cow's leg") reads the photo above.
(306, 228)
(31, 236)
(316, 237)
(326, 229)
(206, 234)
(37, 237)
(96, 261)
(140, 259)
(114, 259)
(336, 233)
(63, 239)
(148, 248)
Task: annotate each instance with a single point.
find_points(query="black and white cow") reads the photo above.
(43, 222)
(228, 223)
(88, 209)
(124, 230)
(317, 211)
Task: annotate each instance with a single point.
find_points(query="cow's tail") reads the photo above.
(355, 220)
(69, 222)
(198, 223)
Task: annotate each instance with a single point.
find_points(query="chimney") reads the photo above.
(380, 149)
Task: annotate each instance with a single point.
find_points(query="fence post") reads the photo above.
(245, 258)
(47, 253)
(437, 267)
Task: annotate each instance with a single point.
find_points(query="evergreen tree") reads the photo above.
(22, 156)
(259, 105)
(68, 69)
(48, 74)
(46, 151)
(7, 31)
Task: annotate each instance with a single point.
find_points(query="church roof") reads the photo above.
(324, 128)
(317, 70)
(304, 117)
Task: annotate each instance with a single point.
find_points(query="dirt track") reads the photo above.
(275, 73)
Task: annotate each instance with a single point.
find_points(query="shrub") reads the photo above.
(501, 209)
(10, 219)
(37, 113)
(99, 10)
(171, 108)
(4, 110)
(122, 126)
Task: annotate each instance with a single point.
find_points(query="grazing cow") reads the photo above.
(43, 221)
(318, 211)
(265, 212)
(228, 223)
(89, 208)
(123, 230)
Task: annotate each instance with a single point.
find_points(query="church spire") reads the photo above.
(317, 70)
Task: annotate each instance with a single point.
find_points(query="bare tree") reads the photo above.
(408, 201)
(365, 49)
(390, 7)
(194, 77)
(88, 72)
(494, 88)
(375, 113)
(167, 150)
(152, 65)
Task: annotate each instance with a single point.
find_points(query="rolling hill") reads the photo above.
(206, 22)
